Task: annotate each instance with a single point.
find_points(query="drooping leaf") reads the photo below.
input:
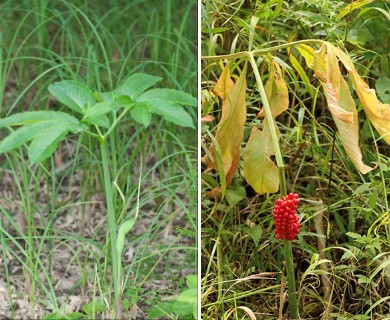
(74, 94)
(377, 112)
(29, 117)
(340, 103)
(260, 171)
(170, 112)
(327, 70)
(23, 135)
(136, 84)
(307, 53)
(224, 84)
(169, 95)
(230, 130)
(276, 91)
(44, 145)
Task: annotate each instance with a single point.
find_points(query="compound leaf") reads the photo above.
(74, 94)
(136, 84)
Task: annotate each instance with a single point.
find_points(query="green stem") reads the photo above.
(293, 306)
(292, 294)
(110, 217)
(271, 124)
(244, 54)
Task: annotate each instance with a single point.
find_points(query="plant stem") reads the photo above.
(271, 124)
(292, 294)
(244, 54)
(293, 306)
(111, 219)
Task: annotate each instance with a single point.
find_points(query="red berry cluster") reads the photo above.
(286, 219)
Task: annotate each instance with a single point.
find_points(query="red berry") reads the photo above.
(285, 216)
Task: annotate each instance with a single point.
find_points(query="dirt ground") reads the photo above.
(66, 269)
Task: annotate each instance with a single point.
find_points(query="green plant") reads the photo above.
(98, 114)
(185, 305)
(288, 121)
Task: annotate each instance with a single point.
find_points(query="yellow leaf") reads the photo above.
(308, 53)
(377, 112)
(224, 84)
(260, 171)
(327, 71)
(340, 103)
(230, 130)
(353, 6)
(276, 91)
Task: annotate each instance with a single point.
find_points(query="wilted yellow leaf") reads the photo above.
(230, 130)
(340, 103)
(277, 92)
(377, 112)
(327, 70)
(224, 84)
(308, 53)
(260, 171)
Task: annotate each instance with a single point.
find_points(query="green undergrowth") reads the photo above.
(341, 256)
(53, 236)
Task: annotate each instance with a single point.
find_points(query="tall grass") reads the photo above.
(57, 207)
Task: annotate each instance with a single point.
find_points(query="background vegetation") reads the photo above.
(54, 253)
(342, 253)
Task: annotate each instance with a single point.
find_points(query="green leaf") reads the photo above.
(255, 233)
(235, 194)
(182, 308)
(383, 88)
(171, 95)
(189, 295)
(74, 94)
(171, 112)
(29, 117)
(97, 114)
(136, 84)
(160, 310)
(260, 171)
(70, 316)
(44, 145)
(53, 316)
(141, 114)
(94, 306)
(23, 135)
(101, 121)
(98, 109)
(192, 281)
(353, 235)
